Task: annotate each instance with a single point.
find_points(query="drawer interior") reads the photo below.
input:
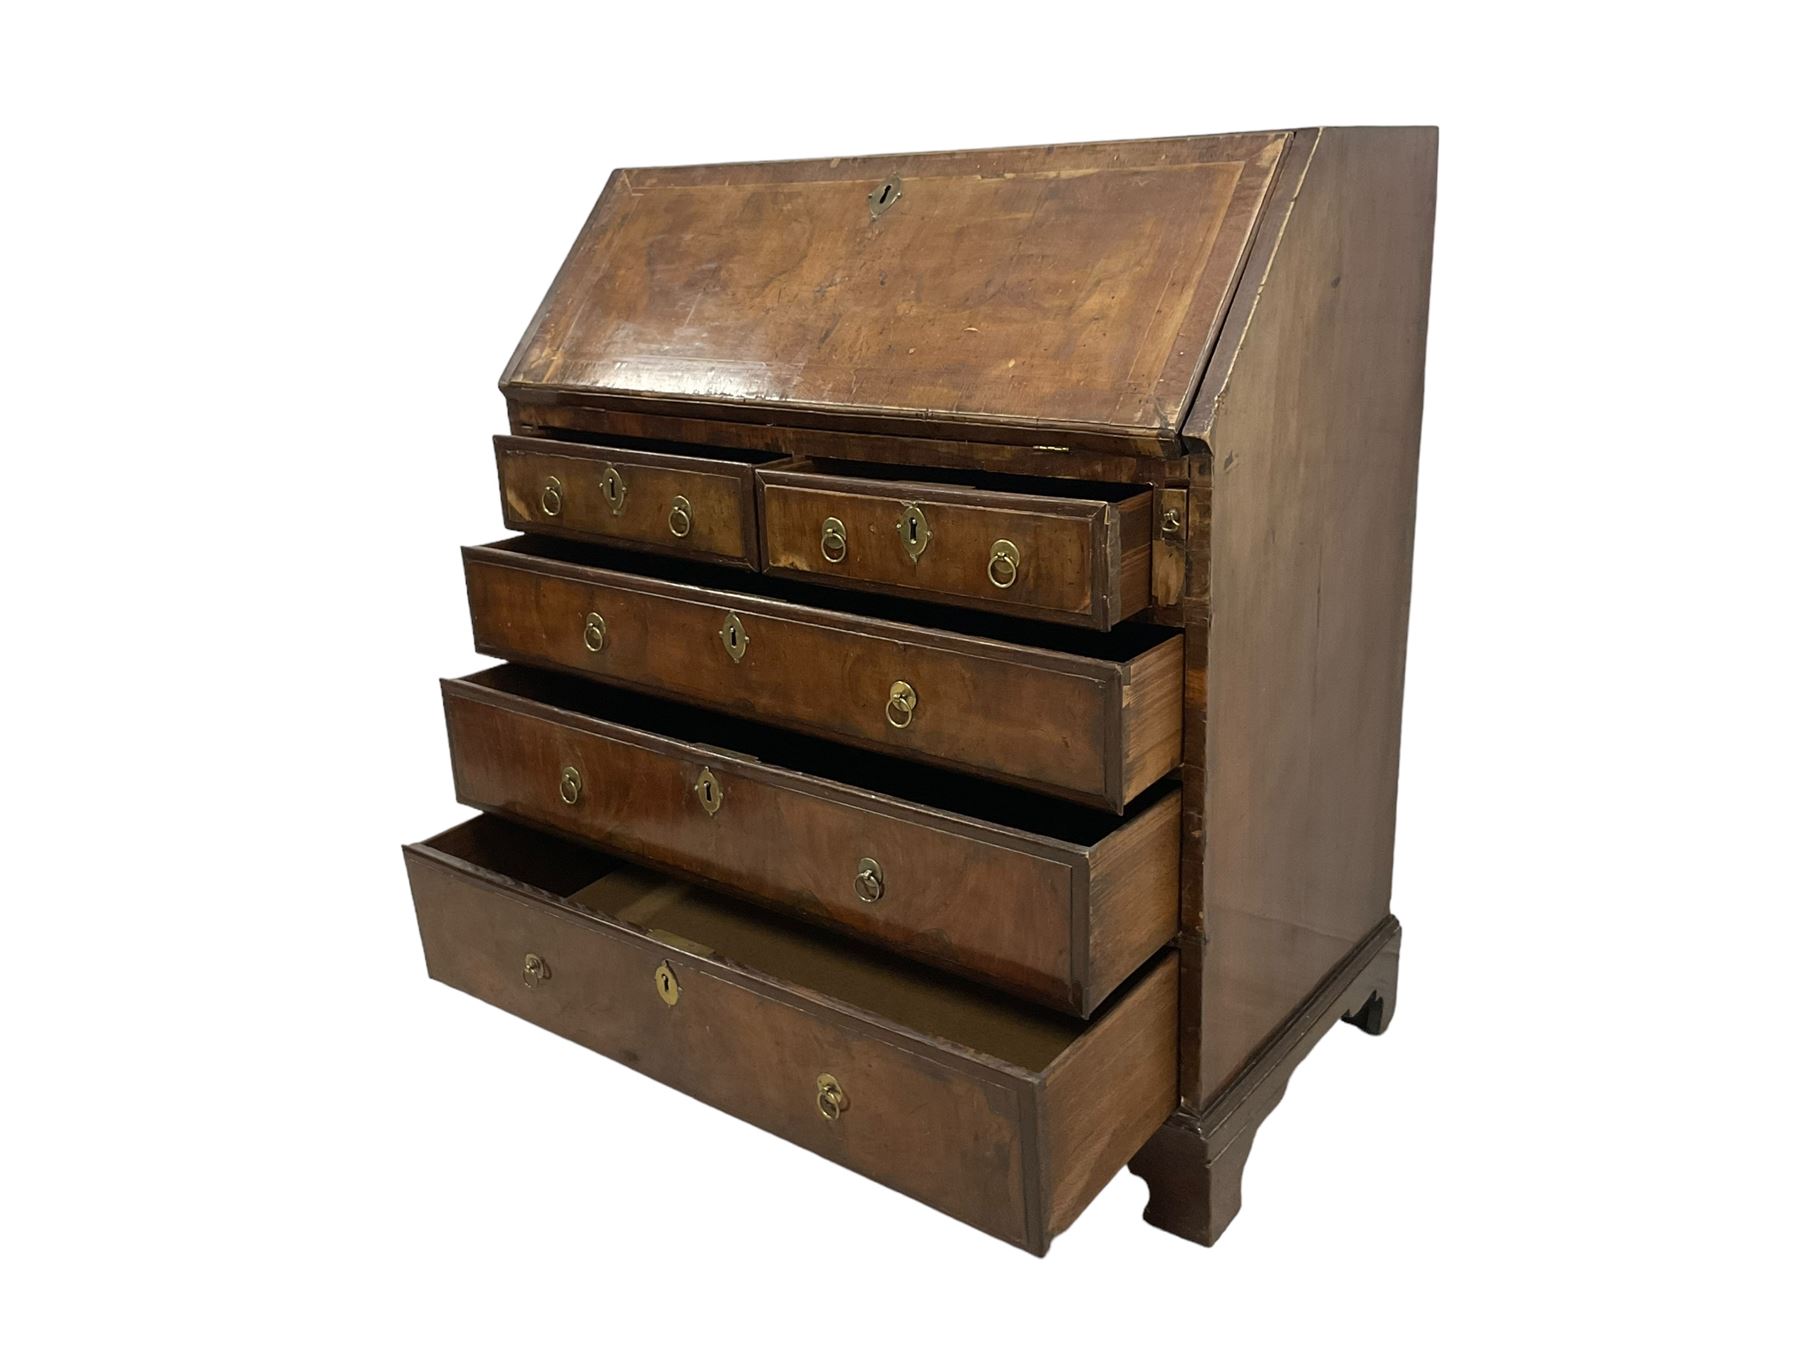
(560, 439)
(880, 477)
(686, 916)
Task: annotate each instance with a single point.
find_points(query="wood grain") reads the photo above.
(1062, 921)
(971, 1104)
(1313, 486)
(720, 496)
(1092, 728)
(1107, 1094)
(1075, 290)
(1081, 559)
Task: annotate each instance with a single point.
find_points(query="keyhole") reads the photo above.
(882, 197)
(912, 531)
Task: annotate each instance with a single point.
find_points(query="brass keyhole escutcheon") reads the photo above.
(681, 518)
(915, 531)
(668, 988)
(550, 499)
(570, 787)
(736, 640)
(537, 970)
(882, 196)
(832, 1100)
(593, 632)
(869, 883)
(612, 487)
(834, 544)
(1003, 563)
(710, 792)
(902, 699)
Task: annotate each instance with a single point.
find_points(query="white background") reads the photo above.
(262, 270)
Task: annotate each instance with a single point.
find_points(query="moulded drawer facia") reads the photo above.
(684, 505)
(1097, 728)
(1060, 558)
(961, 1099)
(1060, 908)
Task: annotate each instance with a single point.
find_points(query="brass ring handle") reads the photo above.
(902, 699)
(832, 1100)
(612, 487)
(551, 497)
(681, 518)
(1003, 563)
(537, 970)
(593, 632)
(869, 884)
(834, 544)
(569, 789)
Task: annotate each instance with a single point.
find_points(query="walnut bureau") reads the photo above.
(953, 648)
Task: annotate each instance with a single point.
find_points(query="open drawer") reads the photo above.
(1008, 1118)
(690, 505)
(1062, 551)
(1094, 717)
(1055, 902)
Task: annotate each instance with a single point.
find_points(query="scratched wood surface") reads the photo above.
(1069, 291)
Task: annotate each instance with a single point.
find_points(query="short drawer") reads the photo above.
(1096, 719)
(1004, 1116)
(1054, 902)
(686, 505)
(1066, 553)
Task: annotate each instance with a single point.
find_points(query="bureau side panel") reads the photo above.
(1313, 424)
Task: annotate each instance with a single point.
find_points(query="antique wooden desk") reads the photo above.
(955, 649)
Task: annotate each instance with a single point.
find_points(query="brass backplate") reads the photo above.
(736, 640)
(902, 699)
(710, 792)
(832, 1100)
(882, 196)
(612, 485)
(1168, 550)
(668, 988)
(915, 531)
(870, 884)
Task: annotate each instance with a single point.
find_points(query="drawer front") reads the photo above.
(881, 868)
(1088, 729)
(946, 1134)
(675, 504)
(998, 1129)
(1065, 561)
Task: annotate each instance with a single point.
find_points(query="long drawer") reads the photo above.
(1008, 1118)
(1054, 902)
(1096, 719)
(1074, 553)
